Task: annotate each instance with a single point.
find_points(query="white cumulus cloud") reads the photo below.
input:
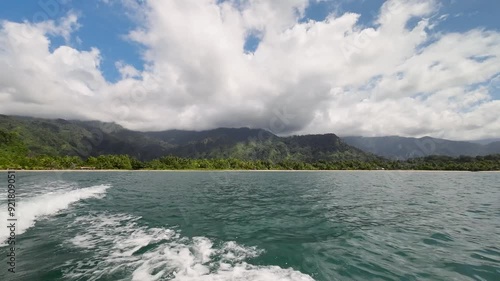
(399, 76)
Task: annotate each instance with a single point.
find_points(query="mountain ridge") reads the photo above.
(59, 137)
(403, 148)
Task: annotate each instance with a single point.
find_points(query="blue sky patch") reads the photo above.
(252, 42)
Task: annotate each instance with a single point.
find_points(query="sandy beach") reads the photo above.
(253, 171)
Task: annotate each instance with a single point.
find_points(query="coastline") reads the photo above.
(258, 171)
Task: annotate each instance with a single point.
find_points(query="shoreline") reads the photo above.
(259, 171)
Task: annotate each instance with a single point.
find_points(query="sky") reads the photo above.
(371, 68)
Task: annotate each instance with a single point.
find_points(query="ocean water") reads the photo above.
(260, 226)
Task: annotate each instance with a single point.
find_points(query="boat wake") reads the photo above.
(30, 209)
(119, 248)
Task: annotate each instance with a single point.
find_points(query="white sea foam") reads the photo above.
(121, 247)
(29, 210)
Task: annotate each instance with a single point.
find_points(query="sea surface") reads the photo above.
(260, 226)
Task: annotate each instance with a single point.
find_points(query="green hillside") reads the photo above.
(33, 143)
(92, 138)
(79, 138)
(256, 144)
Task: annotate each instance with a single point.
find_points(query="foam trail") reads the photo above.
(122, 247)
(29, 210)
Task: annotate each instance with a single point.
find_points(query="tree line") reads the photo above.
(126, 162)
(15, 155)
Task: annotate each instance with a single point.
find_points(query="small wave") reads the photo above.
(122, 249)
(29, 210)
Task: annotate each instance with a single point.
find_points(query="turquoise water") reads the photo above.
(256, 226)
